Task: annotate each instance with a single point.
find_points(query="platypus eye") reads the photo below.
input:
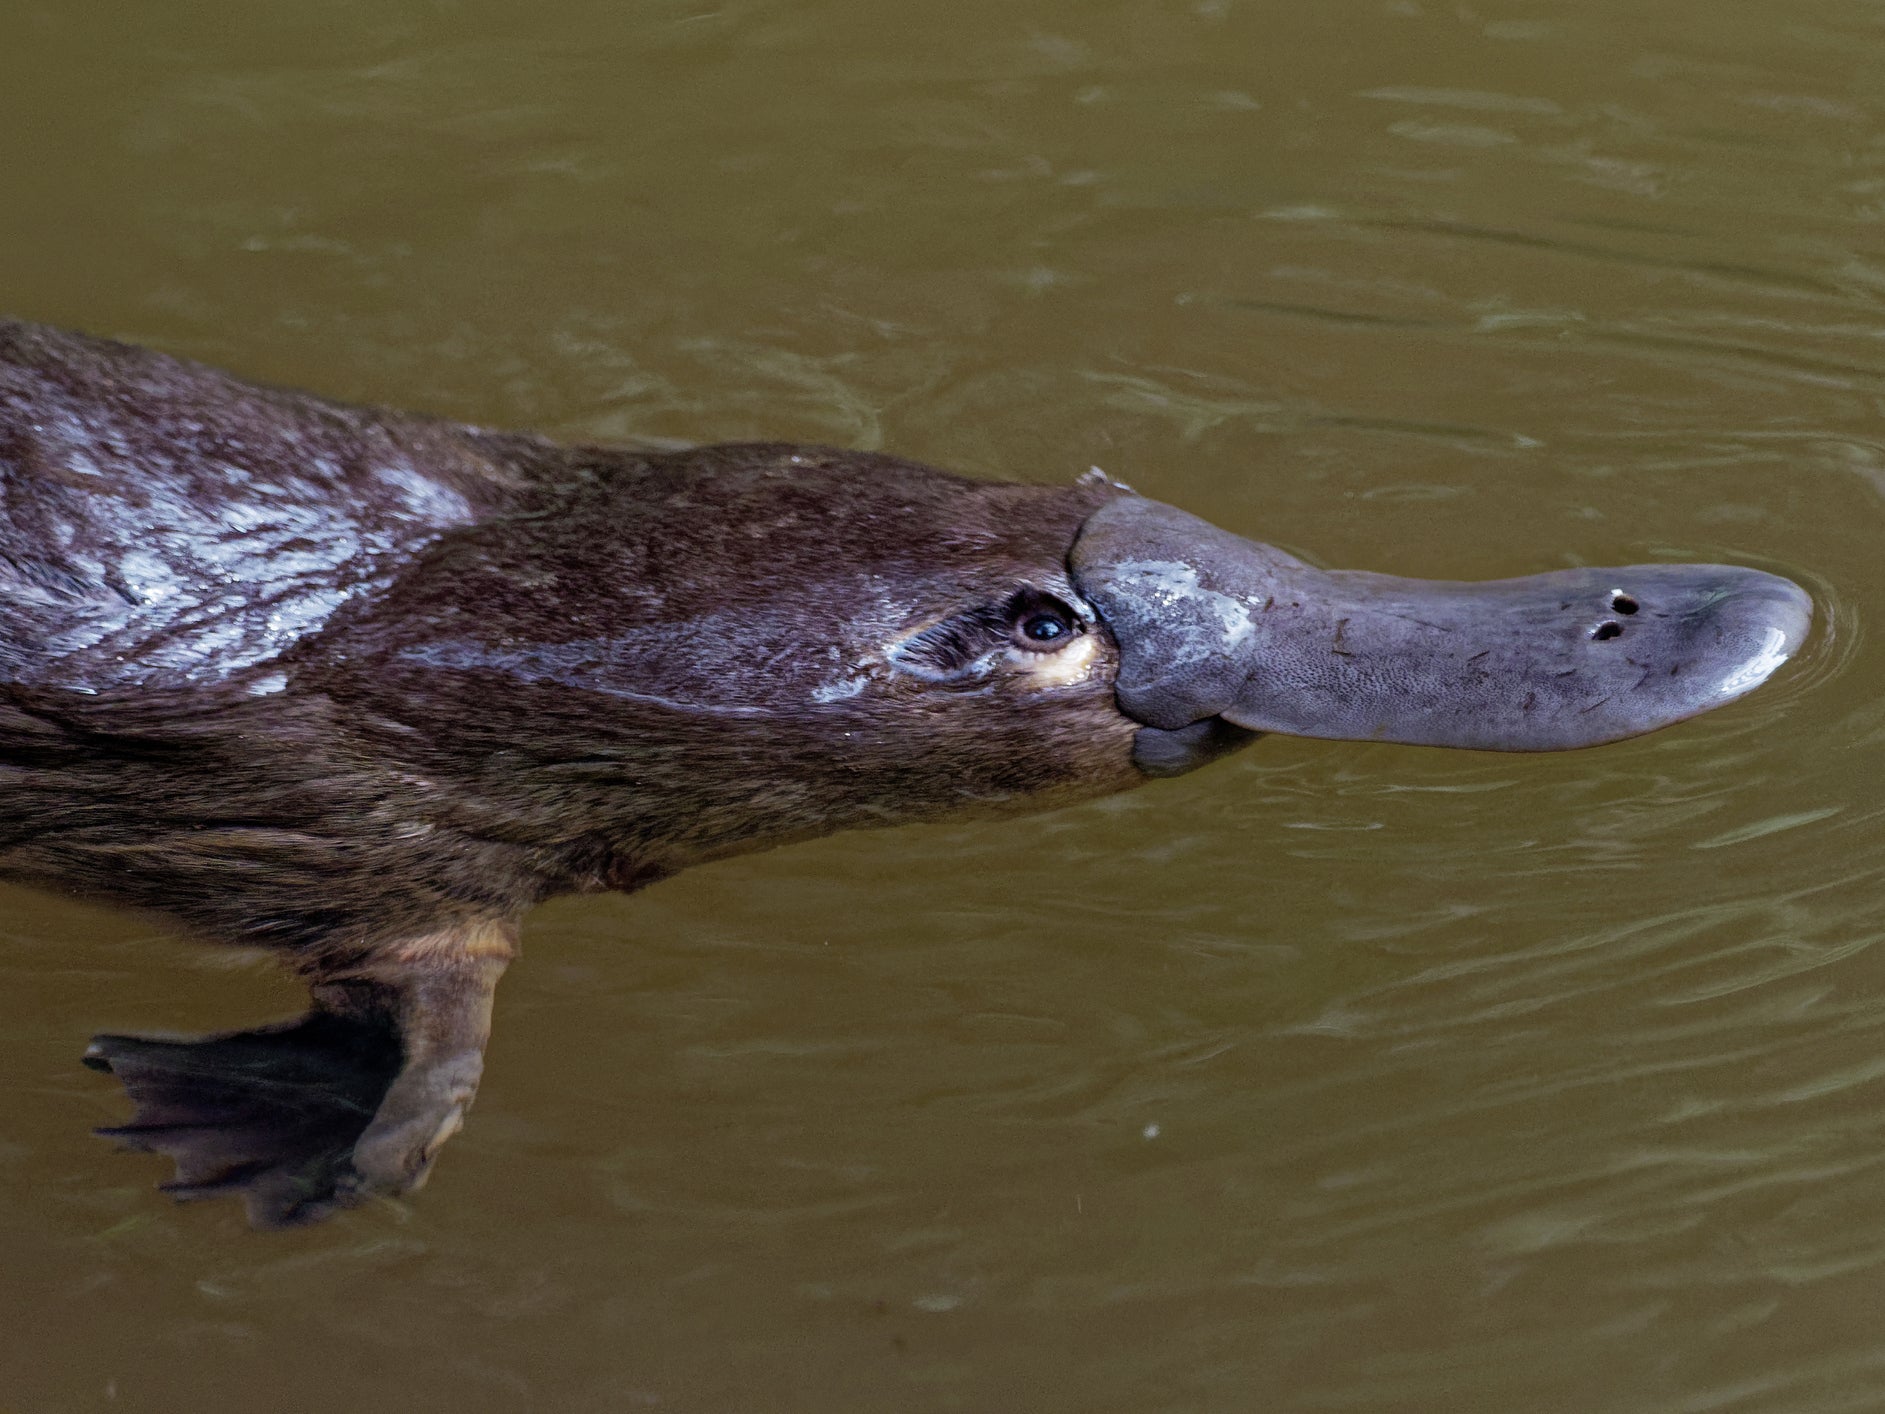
(1041, 623)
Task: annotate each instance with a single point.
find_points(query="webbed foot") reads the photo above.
(271, 1114)
(310, 1116)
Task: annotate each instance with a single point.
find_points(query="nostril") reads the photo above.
(1622, 602)
(1608, 629)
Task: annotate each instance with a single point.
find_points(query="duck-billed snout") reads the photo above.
(1211, 625)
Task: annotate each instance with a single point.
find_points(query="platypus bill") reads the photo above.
(362, 687)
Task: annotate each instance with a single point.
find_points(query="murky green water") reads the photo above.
(1333, 1078)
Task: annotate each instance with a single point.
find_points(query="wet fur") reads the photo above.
(436, 751)
(362, 687)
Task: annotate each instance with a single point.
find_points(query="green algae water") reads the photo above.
(1333, 1077)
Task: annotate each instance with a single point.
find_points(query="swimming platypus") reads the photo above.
(362, 687)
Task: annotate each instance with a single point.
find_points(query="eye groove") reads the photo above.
(1623, 603)
(963, 648)
(1607, 630)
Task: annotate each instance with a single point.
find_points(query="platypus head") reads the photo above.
(748, 644)
(1208, 639)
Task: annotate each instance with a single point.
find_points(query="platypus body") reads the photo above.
(362, 687)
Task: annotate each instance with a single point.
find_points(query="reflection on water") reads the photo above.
(1332, 1077)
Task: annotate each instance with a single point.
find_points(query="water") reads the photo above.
(1334, 1077)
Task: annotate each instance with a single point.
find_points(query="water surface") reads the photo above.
(1336, 1077)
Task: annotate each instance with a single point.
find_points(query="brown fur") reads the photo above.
(364, 687)
(439, 750)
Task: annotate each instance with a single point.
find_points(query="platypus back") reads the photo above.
(252, 515)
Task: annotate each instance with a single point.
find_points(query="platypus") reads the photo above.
(361, 687)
